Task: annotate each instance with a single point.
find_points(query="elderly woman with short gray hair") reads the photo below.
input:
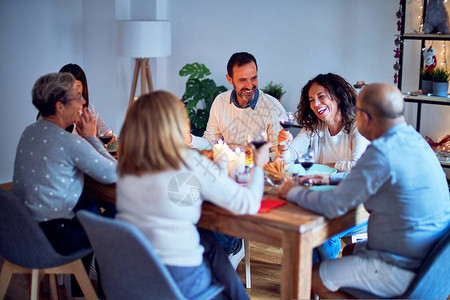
(50, 162)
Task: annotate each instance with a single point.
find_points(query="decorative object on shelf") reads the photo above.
(442, 148)
(397, 42)
(359, 84)
(274, 89)
(142, 40)
(429, 59)
(201, 89)
(436, 17)
(440, 82)
(426, 81)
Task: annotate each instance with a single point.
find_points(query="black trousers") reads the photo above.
(68, 236)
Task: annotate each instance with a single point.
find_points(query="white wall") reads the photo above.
(292, 40)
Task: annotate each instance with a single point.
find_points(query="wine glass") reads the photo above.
(258, 140)
(287, 120)
(307, 159)
(107, 137)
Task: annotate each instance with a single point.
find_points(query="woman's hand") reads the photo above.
(88, 124)
(261, 155)
(284, 138)
(286, 187)
(318, 179)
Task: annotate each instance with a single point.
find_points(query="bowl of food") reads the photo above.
(275, 173)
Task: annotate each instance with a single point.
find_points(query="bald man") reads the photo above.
(403, 187)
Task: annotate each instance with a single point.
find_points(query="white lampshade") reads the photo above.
(144, 38)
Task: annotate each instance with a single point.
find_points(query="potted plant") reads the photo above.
(275, 90)
(199, 95)
(426, 81)
(440, 82)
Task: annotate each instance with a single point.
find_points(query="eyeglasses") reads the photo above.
(363, 110)
(80, 97)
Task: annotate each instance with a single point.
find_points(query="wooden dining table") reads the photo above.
(294, 229)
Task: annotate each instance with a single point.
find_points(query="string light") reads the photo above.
(420, 17)
(444, 55)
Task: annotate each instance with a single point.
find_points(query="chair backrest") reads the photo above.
(129, 266)
(432, 279)
(22, 241)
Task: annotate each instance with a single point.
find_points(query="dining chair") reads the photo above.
(128, 263)
(26, 249)
(432, 278)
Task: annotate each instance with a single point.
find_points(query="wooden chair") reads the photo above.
(26, 249)
(130, 267)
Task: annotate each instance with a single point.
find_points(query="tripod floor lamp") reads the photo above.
(142, 40)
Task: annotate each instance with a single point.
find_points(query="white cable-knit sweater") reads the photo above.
(234, 125)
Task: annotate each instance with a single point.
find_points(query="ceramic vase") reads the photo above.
(427, 86)
(440, 89)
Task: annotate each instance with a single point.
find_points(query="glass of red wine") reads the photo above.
(287, 121)
(107, 137)
(258, 140)
(307, 159)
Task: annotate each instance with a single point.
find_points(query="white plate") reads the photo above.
(319, 188)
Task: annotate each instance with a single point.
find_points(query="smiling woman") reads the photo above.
(326, 113)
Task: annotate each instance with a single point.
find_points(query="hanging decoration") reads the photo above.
(429, 58)
(397, 42)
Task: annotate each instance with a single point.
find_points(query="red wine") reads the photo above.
(286, 124)
(105, 139)
(306, 164)
(258, 144)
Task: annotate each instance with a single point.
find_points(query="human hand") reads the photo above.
(284, 189)
(87, 126)
(261, 155)
(318, 179)
(188, 139)
(284, 137)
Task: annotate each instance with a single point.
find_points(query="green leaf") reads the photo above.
(190, 106)
(195, 70)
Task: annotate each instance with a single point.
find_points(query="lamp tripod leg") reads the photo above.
(134, 83)
(149, 75)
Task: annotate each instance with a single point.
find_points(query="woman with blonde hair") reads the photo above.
(162, 184)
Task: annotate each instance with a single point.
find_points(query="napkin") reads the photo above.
(269, 204)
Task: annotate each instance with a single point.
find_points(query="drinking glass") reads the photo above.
(107, 137)
(258, 140)
(287, 121)
(307, 159)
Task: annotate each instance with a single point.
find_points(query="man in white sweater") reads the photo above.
(241, 112)
(236, 115)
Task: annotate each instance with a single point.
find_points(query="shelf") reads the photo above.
(420, 36)
(445, 164)
(426, 99)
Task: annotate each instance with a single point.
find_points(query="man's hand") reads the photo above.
(318, 179)
(88, 124)
(286, 187)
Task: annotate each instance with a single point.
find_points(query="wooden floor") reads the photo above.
(265, 272)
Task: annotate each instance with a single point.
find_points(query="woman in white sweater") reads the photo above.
(162, 184)
(325, 113)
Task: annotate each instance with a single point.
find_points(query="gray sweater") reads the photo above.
(49, 169)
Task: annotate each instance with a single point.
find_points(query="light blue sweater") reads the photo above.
(403, 187)
(49, 169)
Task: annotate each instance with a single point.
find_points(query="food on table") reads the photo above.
(275, 171)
